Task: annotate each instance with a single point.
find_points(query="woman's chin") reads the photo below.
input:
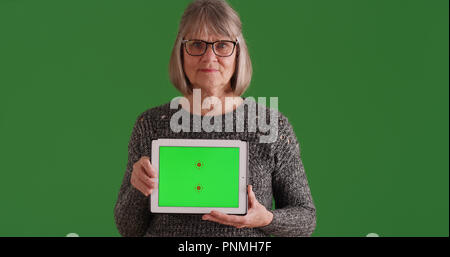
(209, 84)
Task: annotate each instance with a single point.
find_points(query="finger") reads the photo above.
(231, 219)
(148, 168)
(145, 181)
(154, 182)
(214, 219)
(139, 185)
(151, 182)
(241, 226)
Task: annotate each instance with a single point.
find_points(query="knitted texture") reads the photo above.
(275, 171)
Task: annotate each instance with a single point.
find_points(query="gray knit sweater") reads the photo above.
(275, 171)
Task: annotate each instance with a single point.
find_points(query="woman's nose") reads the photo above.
(209, 53)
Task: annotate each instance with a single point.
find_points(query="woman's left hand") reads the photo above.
(257, 215)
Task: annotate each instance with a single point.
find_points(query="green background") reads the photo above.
(364, 84)
(217, 176)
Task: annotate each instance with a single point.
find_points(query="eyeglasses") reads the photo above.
(222, 48)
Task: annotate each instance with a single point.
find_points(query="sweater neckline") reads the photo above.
(215, 116)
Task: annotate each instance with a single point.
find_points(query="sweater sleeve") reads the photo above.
(131, 212)
(295, 213)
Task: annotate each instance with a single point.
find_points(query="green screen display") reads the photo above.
(198, 176)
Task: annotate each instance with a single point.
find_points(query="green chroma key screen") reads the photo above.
(198, 176)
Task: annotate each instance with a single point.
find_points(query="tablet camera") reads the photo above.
(199, 164)
(199, 188)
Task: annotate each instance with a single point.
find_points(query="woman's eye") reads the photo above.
(197, 44)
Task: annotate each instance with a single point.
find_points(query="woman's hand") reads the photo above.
(144, 177)
(257, 215)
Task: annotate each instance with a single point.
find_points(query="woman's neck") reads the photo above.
(213, 102)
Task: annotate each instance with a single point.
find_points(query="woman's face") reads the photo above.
(223, 66)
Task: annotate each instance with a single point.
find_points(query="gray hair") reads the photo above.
(219, 18)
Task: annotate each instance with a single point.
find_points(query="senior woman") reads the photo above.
(210, 55)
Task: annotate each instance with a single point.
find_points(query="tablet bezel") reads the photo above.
(243, 167)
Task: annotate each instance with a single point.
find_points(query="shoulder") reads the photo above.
(286, 132)
(283, 139)
(154, 113)
(267, 108)
(145, 121)
(273, 124)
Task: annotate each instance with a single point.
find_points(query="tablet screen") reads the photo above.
(198, 176)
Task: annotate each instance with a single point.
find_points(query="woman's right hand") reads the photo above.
(144, 177)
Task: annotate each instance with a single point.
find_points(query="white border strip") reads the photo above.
(243, 166)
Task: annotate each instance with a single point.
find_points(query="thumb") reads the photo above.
(251, 197)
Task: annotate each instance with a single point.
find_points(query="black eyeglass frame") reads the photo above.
(212, 46)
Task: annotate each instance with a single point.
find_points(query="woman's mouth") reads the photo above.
(208, 70)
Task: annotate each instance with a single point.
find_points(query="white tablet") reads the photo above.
(200, 175)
